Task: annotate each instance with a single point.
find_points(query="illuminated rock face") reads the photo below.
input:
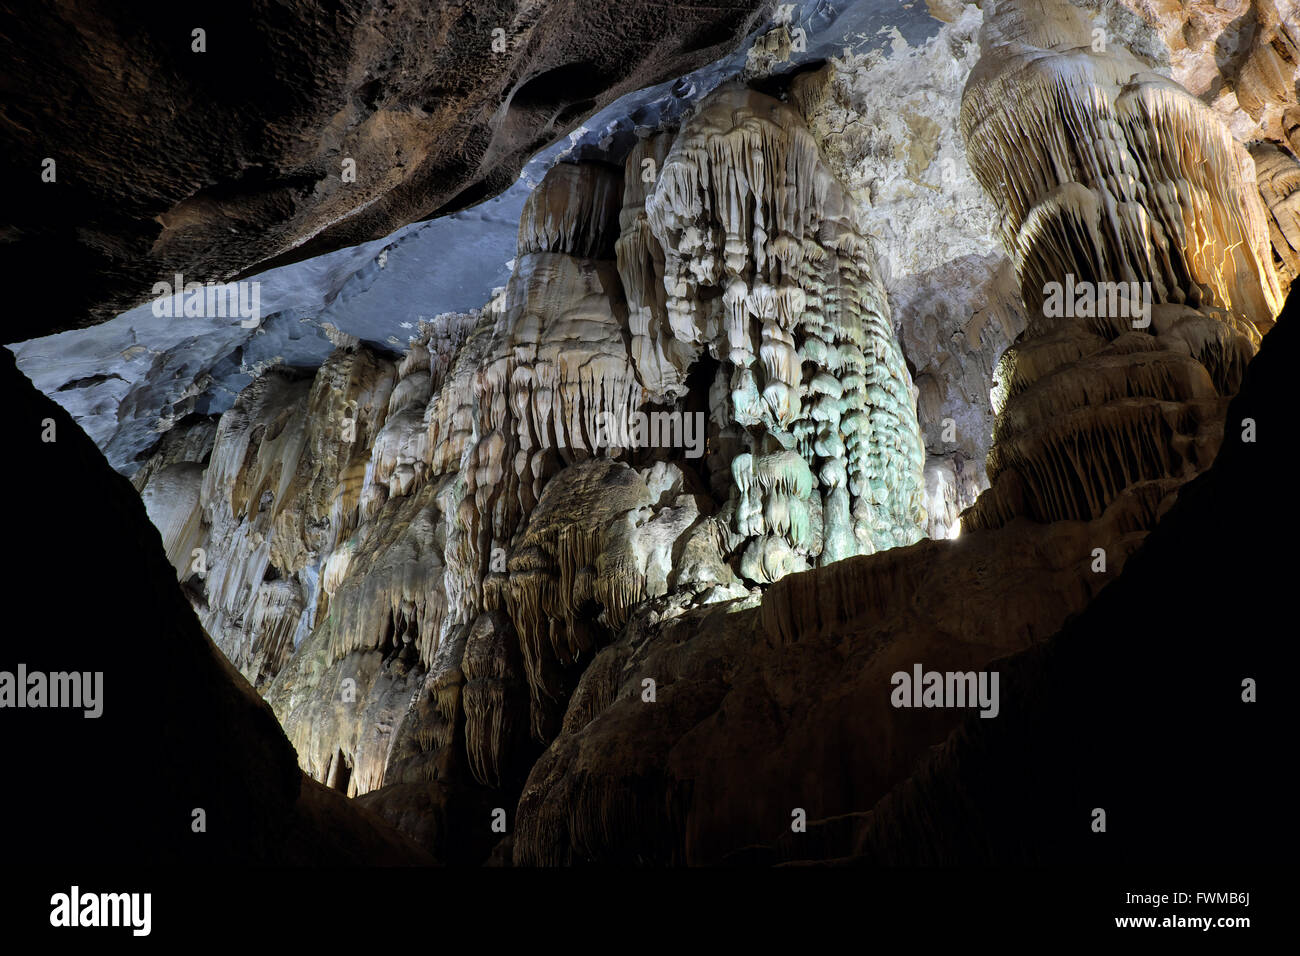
(1110, 180)
(767, 267)
(1242, 57)
(888, 127)
(1099, 422)
(415, 559)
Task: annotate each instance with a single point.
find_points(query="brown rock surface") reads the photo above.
(760, 710)
(228, 161)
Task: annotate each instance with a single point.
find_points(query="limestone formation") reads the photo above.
(1279, 186)
(179, 729)
(957, 321)
(633, 552)
(690, 381)
(888, 127)
(1241, 57)
(757, 707)
(767, 267)
(1143, 257)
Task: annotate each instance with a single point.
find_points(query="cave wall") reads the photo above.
(452, 586)
(416, 560)
(730, 751)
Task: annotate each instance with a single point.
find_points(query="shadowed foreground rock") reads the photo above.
(557, 558)
(180, 729)
(1136, 706)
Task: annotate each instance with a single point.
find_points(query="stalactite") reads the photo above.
(492, 697)
(271, 624)
(662, 359)
(766, 265)
(392, 593)
(550, 569)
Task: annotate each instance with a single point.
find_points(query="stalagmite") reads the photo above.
(1143, 257)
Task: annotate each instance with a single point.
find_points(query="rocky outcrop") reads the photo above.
(757, 712)
(622, 568)
(222, 140)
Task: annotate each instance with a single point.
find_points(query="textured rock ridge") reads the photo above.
(761, 710)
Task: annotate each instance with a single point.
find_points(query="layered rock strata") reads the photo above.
(234, 137)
